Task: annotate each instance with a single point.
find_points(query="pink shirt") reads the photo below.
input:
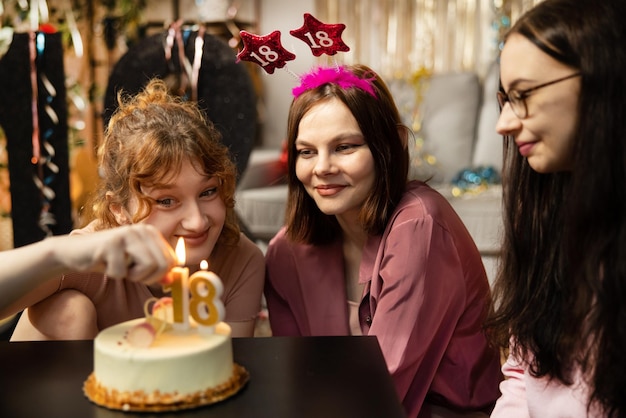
(525, 396)
(424, 299)
(241, 268)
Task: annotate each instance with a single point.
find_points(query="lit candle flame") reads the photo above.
(204, 265)
(180, 251)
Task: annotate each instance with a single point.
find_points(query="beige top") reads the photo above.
(241, 268)
(353, 314)
(354, 290)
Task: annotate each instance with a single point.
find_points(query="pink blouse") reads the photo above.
(425, 299)
(525, 396)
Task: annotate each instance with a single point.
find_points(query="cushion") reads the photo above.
(449, 112)
(481, 214)
(488, 146)
(262, 209)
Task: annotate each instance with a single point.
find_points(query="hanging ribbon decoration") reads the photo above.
(37, 45)
(184, 74)
(197, 63)
(34, 88)
(188, 74)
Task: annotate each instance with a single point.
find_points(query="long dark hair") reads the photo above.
(561, 288)
(379, 121)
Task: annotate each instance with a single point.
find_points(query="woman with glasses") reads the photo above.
(561, 290)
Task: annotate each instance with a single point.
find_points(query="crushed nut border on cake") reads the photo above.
(161, 402)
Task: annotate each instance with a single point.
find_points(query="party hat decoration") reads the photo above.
(266, 51)
(322, 38)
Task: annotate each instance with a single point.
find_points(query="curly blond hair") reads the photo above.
(146, 141)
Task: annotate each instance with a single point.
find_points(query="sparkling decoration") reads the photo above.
(419, 81)
(266, 51)
(501, 22)
(474, 180)
(408, 93)
(322, 38)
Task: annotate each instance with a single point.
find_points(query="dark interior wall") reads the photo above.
(225, 90)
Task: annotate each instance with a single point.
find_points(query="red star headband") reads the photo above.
(268, 52)
(320, 37)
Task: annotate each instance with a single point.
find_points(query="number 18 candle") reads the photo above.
(198, 295)
(180, 288)
(206, 306)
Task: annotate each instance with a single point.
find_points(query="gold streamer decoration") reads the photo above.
(399, 37)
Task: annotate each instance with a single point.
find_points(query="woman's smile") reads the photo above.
(195, 240)
(334, 163)
(328, 190)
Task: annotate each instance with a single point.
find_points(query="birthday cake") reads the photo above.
(179, 370)
(178, 357)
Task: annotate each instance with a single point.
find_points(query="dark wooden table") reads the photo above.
(320, 377)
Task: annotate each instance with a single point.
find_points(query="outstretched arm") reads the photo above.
(31, 273)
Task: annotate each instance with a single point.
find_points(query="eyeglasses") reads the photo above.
(517, 98)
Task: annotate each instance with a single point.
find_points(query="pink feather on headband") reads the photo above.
(333, 75)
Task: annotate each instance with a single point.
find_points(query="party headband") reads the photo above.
(333, 75)
(268, 52)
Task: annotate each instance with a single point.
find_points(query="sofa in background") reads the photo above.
(458, 116)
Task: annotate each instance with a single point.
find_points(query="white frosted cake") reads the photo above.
(179, 369)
